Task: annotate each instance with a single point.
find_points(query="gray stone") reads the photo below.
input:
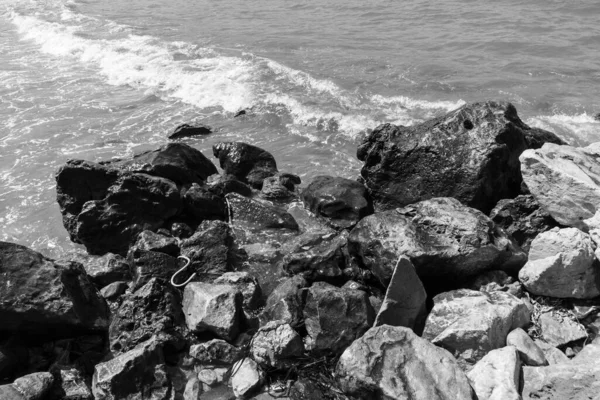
(34, 386)
(248, 163)
(573, 381)
(213, 308)
(552, 354)
(335, 317)
(276, 345)
(285, 302)
(246, 284)
(562, 263)
(103, 270)
(394, 363)
(193, 389)
(72, 386)
(150, 241)
(213, 376)
(257, 215)
(559, 331)
(404, 302)
(246, 377)
(216, 352)
(114, 290)
(529, 352)
(496, 376)
(470, 324)
(147, 265)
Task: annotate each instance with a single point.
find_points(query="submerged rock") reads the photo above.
(187, 130)
(249, 164)
(342, 201)
(394, 363)
(471, 154)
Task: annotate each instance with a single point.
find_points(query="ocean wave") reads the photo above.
(414, 104)
(576, 129)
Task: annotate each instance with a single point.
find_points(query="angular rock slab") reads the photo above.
(40, 296)
(470, 324)
(213, 308)
(405, 300)
(471, 154)
(276, 344)
(393, 363)
(562, 264)
(335, 317)
(558, 331)
(529, 352)
(246, 377)
(573, 381)
(445, 240)
(285, 302)
(496, 376)
(565, 180)
(343, 201)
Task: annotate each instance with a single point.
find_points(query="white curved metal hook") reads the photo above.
(181, 269)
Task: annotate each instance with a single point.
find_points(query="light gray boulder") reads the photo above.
(562, 264)
(246, 377)
(569, 380)
(392, 362)
(558, 331)
(529, 352)
(276, 345)
(470, 324)
(496, 376)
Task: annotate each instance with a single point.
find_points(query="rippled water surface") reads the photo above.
(102, 79)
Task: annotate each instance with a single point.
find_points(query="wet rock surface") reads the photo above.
(249, 164)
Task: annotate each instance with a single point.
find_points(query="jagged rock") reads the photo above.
(522, 218)
(146, 265)
(246, 377)
(213, 308)
(213, 376)
(343, 201)
(496, 280)
(39, 296)
(335, 317)
(246, 284)
(187, 130)
(529, 352)
(220, 185)
(138, 374)
(276, 345)
(559, 331)
(471, 154)
(181, 230)
(273, 189)
(470, 324)
(562, 263)
(135, 203)
(216, 352)
(405, 300)
(114, 290)
(249, 164)
(496, 376)
(177, 162)
(569, 380)
(210, 249)
(29, 387)
(285, 302)
(552, 354)
(152, 309)
(72, 386)
(103, 270)
(391, 362)
(150, 241)
(193, 389)
(446, 241)
(564, 180)
(257, 215)
(202, 204)
(316, 257)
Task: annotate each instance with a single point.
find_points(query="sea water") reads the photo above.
(97, 80)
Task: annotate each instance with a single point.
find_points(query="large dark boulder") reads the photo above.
(471, 154)
(146, 265)
(41, 297)
(250, 164)
(177, 162)
(446, 241)
(258, 215)
(103, 270)
(202, 204)
(343, 201)
(187, 130)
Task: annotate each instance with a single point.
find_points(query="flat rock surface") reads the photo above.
(558, 330)
(496, 376)
(529, 352)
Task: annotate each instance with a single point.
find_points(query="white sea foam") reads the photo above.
(413, 104)
(577, 129)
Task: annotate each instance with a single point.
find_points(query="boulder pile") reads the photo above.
(464, 263)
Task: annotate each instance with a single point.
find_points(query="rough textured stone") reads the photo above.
(343, 201)
(216, 352)
(136, 375)
(274, 188)
(213, 376)
(335, 317)
(8, 392)
(103, 270)
(552, 354)
(193, 389)
(496, 376)
(564, 180)
(258, 215)
(471, 154)
(246, 284)
(246, 377)
(250, 164)
(558, 330)
(188, 130)
(202, 204)
(220, 185)
(150, 241)
(285, 302)
(34, 386)
(563, 381)
(470, 324)
(72, 386)
(39, 296)
(445, 240)
(529, 352)
(276, 345)
(394, 363)
(213, 308)
(146, 265)
(114, 290)
(153, 308)
(405, 300)
(522, 218)
(316, 256)
(496, 280)
(562, 263)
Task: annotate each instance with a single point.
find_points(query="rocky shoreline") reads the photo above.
(464, 263)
